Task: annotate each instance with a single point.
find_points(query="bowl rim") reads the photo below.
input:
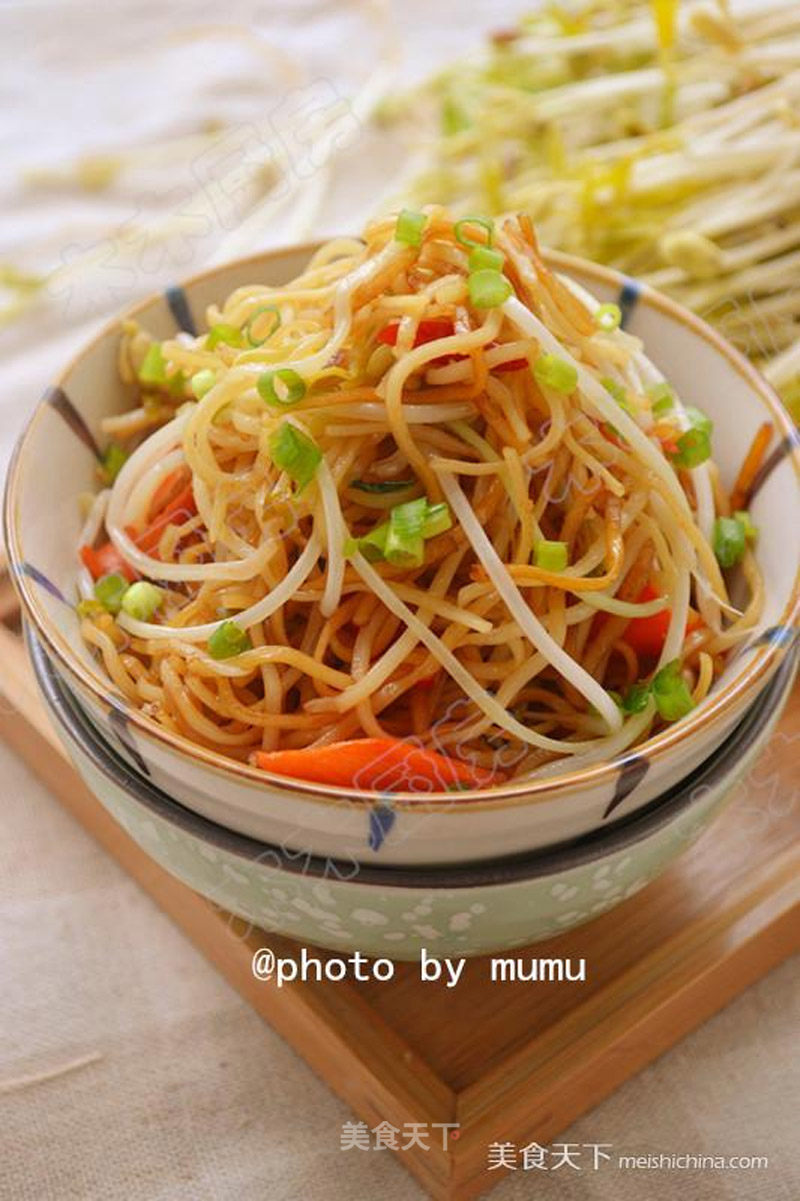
(760, 664)
(628, 832)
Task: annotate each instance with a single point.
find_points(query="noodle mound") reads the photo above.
(427, 491)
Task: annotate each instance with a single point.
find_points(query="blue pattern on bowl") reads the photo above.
(631, 774)
(57, 398)
(33, 573)
(629, 295)
(180, 308)
(381, 820)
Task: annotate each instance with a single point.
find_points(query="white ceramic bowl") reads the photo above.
(55, 461)
(395, 912)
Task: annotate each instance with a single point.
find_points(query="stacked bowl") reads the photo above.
(386, 874)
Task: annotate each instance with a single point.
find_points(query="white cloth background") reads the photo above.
(192, 1097)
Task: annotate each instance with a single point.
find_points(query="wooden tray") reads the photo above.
(508, 1062)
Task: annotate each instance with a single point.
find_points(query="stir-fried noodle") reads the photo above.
(427, 491)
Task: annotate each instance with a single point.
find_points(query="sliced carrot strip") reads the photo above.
(105, 560)
(383, 764)
(647, 635)
(428, 330)
(167, 490)
(179, 509)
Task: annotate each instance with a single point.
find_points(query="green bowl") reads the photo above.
(396, 912)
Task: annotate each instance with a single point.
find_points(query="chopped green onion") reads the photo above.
(109, 591)
(694, 448)
(465, 239)
(744, 519)
(229, 334)
(292, 386)
(373, 544)
(142, 600)
(89, 608)
(662, 399)
(488, 288)
(295, 453)
(729, 541)
(671, 692)
(228, 640)
(699, 420)
(114, 459)
(405, 546)
(437, 520)
(608, 317)
(551, 556)
(618, 391)
(409, 227)
(202, 382)
(153, 369)
(636, 697)
(552, 372)
(401, 539)
(380, 487)
(409, 518)
(483, 259)
(250, 323)
(404, 550)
